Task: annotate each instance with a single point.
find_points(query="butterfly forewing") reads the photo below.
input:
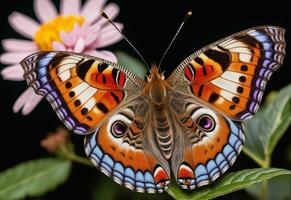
(83, 90)
(230, 75)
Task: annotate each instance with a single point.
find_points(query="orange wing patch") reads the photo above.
(239, 66)
(82, 90)
(117, 149)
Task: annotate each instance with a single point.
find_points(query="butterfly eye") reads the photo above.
(206, 123)
(118, 128)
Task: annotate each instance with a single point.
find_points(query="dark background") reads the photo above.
(150, 25)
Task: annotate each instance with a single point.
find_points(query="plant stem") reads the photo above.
(264, 163)
(259, 161)
(264, 190)
(76, 158)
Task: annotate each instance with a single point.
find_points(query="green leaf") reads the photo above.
(131, 63)
(33, 178)
(270, 123)
(229, 183)
(278, 188)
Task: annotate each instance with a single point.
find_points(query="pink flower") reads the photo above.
(75, 28)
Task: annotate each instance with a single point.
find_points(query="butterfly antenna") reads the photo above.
(188, 14)
(103, 14)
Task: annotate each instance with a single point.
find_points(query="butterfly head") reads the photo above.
(155, 75)
(157, 86)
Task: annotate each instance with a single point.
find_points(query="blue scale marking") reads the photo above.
(267, 46)
(41, 72)
(54, 95)
(140, 184)
(47, 87)
(219, 158)
(266, 63)
(119, 168)
(237, 145)
(128, 180)
(233, 127)
(45, 60)
(43, 80)
(149, 185)
(68, 124)
(118, 175)
(92, 141)
(263, 38)
(200, 170)
(202, 178)
(97, 152)
(232, 139)
(139, 176)
(95, 158)
(129, 173)
(148, 178)
(255, 33)
(105, 166)
(108, 161)
(211, 165)
(262, 71)
(214, 172)
(269, 54)
(223, 164)
(227, 150)
(69, 119)
(80, 129)
(63, 112)
(231, 156)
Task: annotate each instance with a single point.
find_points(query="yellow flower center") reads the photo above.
(50, 31)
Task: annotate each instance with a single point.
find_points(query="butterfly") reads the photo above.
(139, 132)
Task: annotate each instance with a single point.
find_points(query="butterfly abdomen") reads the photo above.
(163, 130)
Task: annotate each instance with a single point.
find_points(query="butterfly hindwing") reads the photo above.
(83, 90)
(122, 148)
(209, 145)
(230, 75)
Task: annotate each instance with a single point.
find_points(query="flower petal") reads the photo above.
(57, 46)
(13, 73)
(68, 39)
(111, 10)
(18, 45)
(27, 101)
(70, 7)
(45, 10)
(107, 55)
(107, 36)
(23, 24)
(84, 29)
(13, 57)
(91, 9)
(92, 35)
(80, 45)
(31, 104)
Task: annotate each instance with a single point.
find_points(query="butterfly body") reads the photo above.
(139, 132)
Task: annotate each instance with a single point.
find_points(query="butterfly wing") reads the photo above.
(206, 143)
(212, 91)
(83, 90)
(230, 75)
(123, 148)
